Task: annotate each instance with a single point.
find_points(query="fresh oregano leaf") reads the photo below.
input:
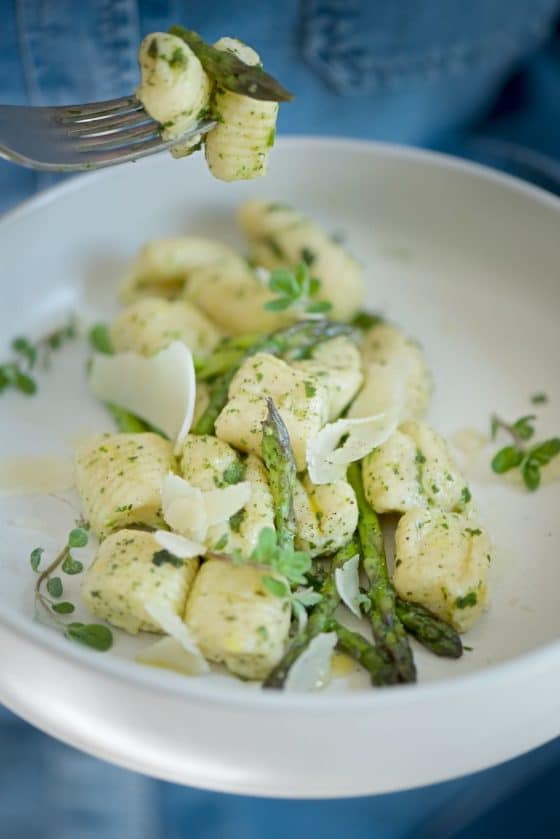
(72, 566)
(63, 608)
(54, 587)
(78, 538)
(35, 557)
(543, 453)
(100, 339)
(274, 586)
(507, 458)
(93, 635)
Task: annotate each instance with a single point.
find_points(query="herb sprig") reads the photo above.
(527, 458)
(28, 356)
(94, 635)
(296, 289)
(284, 561)
(282, 567)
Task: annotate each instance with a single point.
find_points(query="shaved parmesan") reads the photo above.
(327, 460)
(312, 669)
(375, 413)
(383, 391)
(348, 584)
(179, 546)
(191, 512)
(179, 650)
(170, 654)
(160, 390)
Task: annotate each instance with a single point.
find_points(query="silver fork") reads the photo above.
(89, 136)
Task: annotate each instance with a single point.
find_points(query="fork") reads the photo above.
(89, 136)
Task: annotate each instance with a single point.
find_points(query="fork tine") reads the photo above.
(132, 151)
(74, 113)
(103, 125)
(116, 139)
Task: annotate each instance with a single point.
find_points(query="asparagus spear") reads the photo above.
(388, 631)
(293, 342)
(279, 460)
(217, 399)
(359, 648)
(228, 71)
(434, 633)
(321, 620)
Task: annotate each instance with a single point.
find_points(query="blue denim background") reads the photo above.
(480, 79)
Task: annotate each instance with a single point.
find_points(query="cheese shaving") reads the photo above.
(328, 460)
(312, 669)
(375, 413)
(190, 511)
(161, 390)
(348, 584)
(179, 546)
(177, 652)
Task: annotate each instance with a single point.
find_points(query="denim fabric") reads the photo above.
(478, 78)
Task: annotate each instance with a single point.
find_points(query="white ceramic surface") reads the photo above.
(465, 259)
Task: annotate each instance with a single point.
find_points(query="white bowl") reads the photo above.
(463, 258)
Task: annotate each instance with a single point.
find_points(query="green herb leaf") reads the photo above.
(35, 557)
(543, 453)
(25, 349)
(307, 256)
(162, 557)
(93, 635)
(237, 520)
(366, 320)
(320, 307)
(15, 373)
(467, 601)
(78, 538)
(63, 608)
(279, 304)
(24, 383)
(524, 427)
(283, 281)
(507, 458)
(234, 473)
(531, 474)
(221, 543)
(72, 566)
(539, 399)
(296, 288)
(293, 564)
(100, 339)
(529, 460)
(308, 597)
(54, 587)
(274, 586)
(267, 546)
